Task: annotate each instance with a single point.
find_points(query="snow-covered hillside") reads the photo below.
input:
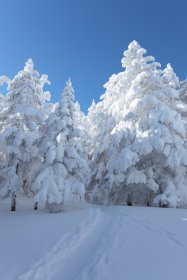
(93, 243)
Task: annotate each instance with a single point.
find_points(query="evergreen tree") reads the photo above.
(60, 178)
(147, 147)
(20, 125)
(182, 104)
(109, 112)
(83, 128)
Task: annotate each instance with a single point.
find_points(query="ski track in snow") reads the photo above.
(88, 250)
(69, 247)
(85, 253)
(97, 264)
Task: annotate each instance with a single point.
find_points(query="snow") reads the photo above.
(92, 243)
(139, 124)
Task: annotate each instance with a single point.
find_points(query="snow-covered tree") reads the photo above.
(182, 104)
(60, 178)
(21, 121)
(102, 117)
(147, 146)
(109, 111)
(183, 91)
(81, 123)
(170, 78)
(92, 129)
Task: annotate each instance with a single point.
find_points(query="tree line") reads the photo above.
(129, 149)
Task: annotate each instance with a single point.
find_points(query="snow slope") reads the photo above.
(93, 243)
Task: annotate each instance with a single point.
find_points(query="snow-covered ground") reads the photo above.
(93, 243)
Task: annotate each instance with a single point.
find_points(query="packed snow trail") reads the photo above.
(101, 258)
(89, 243)
(100, 243)
(68, 247)
(91, 250)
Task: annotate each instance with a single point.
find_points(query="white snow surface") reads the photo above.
(92, 243)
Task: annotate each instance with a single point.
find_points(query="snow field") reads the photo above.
(94, 243)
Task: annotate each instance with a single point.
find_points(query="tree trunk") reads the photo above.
(13, 202)
(129, 200)
(36, 206)
(13, 198)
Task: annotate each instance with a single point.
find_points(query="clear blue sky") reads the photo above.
(85, 39)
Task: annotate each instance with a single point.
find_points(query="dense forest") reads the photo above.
(130, 149)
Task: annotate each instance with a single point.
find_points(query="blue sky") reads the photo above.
(85, 39)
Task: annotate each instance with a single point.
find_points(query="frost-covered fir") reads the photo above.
(107, 114)
(182, 104)
(21, 120)
(104, 116)
(134, 139)
(101, 121)
(146, 158)
(83, 126)
(60, 178)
